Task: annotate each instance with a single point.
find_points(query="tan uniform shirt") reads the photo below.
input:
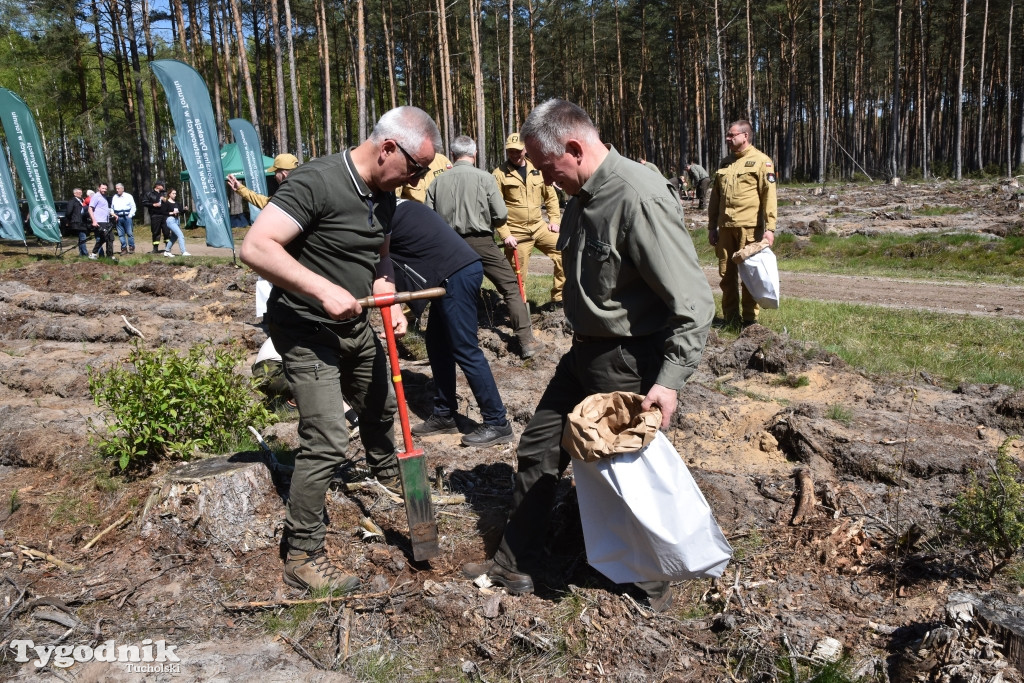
(418, 192)
(743, 192)
(525, 199)
(256, 199)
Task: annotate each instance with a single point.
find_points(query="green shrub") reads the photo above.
(991, 515)
(160, 404)
(840, 414)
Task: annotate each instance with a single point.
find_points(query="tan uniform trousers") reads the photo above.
(731, 240)
(546, 241)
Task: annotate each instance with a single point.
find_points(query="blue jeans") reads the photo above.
(83, 239)
(172, 225)
(451, 338)
(124, 229)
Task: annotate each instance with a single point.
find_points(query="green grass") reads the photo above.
(928, 210)
(840, 414)
(951, 348)
(963, 257)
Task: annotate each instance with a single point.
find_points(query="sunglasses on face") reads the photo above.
(414, 168)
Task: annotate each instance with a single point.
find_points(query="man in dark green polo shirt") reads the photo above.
(638, 302)
(323, 242)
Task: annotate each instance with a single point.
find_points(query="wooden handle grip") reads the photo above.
(381, 300)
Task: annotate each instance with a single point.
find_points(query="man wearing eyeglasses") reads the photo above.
(417, 191)
(742, 210)
(525, 193)
(323, 241)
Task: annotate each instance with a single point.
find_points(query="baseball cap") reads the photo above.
(514, 142)
(283, 162)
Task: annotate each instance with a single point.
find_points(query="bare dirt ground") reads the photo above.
(875, 567)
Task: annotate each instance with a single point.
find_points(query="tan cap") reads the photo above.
(514, 142)
(283, 162)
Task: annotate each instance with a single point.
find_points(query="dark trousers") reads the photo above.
(451, 337)
(158, 226)
(104, 236)
(591, 367)
(83, 238)
(702, 192)
(319, 362)
(501, 275)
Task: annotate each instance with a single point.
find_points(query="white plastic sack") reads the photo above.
(263, 288)
(644, 519)
(760, 274)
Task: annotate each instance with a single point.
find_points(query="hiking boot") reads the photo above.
(157, 249)
(658, 593)
(314, 571)
(516, 582)
(488, 435)
(390, 481)
(529, 348)
(435, 424)
(131, 250)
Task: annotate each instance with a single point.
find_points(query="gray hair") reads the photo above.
(551, 123)
(119, 186)
(409, 127)
(463, 146)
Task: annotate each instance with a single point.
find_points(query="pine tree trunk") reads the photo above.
(281, 129)
(294, 79)
(243, 59)
(958, 137)
(980, 159)
(478, 84)
(361, 68)
(894, 122)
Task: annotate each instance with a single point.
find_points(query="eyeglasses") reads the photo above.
(418, 170)
(732, 135)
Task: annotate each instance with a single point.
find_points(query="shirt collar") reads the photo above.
(361, 187)
(601, 175)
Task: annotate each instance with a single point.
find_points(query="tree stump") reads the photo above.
(228, 503)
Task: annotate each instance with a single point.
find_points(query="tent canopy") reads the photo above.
(231, 160)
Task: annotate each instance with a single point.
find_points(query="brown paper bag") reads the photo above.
(604, 425)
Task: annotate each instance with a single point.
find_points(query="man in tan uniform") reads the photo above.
(742, 210)
(524, 191)
(282, 166)
(418, 191)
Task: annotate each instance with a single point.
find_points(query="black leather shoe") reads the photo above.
(435, 424)
(488, 435)
(516, 582)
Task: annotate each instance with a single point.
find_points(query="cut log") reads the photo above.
(229, 503)
(1000, 617)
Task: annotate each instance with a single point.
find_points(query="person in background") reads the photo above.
(99, 212)
(525, 193)
(469, 200)
(650, 166)
(173, 223)
(639, 305)
(700, 181)
(77, 215)
(742, 211)
(122, 205)
(153, 201)
(282, 166)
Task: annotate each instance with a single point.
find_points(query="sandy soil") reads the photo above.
(873, 567)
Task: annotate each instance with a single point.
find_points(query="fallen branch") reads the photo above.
(374, 485)
(132, 329)
(302, 651)
(39, 555)
(805, 496)
(121, 520)
(264, 604)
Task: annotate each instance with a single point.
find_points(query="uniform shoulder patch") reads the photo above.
(750, 163)
(770, 177)
(767, 163)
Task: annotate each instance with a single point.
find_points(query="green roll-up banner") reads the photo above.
(10, 218)
(196, 136)
(27, 150)
(252, 159)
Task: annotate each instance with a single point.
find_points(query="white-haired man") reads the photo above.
(323, 242)
(639, 305)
